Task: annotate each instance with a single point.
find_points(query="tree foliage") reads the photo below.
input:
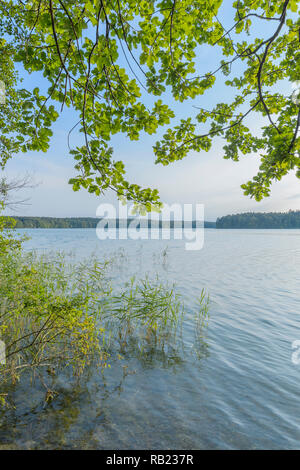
(263, 220)
(101, 57)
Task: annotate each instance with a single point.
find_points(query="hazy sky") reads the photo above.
(200, 178)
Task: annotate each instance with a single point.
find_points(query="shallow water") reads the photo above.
(241, 393)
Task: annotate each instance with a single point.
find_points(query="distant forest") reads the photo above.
(90, 222)
(289, 219)
(56, 222)
(264, 220)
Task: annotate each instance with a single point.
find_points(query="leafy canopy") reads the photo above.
(81, 48)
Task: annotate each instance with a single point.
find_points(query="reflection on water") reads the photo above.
(240, 390)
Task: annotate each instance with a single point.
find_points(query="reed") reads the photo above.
(59, 315)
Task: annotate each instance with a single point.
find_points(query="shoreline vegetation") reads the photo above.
(59, 317)
(247, 220)
(92, 222)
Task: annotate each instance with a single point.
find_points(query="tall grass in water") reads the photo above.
(58, 316)
(146, 314)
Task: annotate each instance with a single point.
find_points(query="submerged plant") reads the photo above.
(201, 321)
(147, 312)
(59, 316)
(50, 316)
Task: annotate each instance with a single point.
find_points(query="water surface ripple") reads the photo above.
(243, 393)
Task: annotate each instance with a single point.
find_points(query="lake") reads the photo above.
(242, 391)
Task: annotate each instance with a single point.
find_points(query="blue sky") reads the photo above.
(200, 178)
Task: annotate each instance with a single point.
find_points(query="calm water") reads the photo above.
(243, 392)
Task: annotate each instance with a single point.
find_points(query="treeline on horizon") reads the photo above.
(263, 220)
(91, 222)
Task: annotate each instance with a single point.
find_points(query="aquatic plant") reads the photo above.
(146, 311)
(58, 315)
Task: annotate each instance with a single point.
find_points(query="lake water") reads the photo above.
(242, 392)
